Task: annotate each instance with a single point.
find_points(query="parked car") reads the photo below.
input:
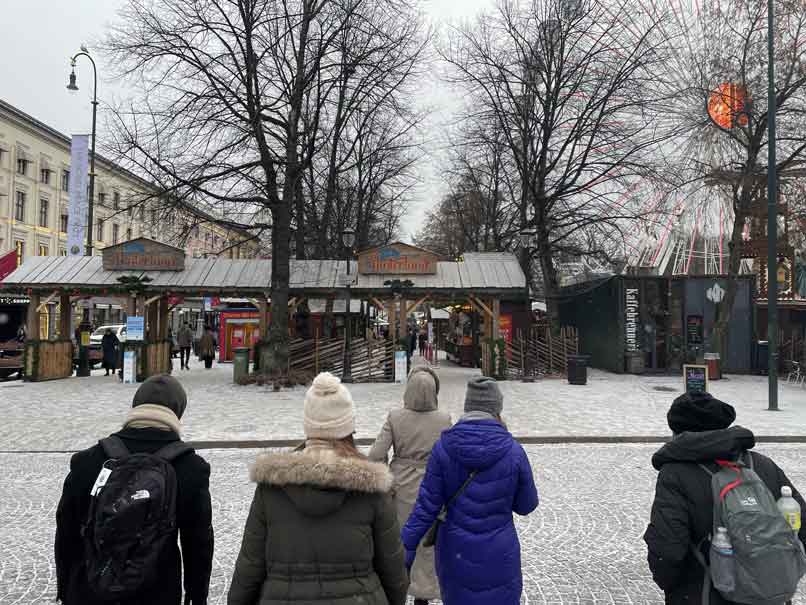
(118, 330)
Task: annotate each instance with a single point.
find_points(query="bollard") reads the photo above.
(240, 365)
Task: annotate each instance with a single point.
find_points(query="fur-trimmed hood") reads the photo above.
(322, 469)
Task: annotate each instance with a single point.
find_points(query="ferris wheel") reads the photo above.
(691, 233)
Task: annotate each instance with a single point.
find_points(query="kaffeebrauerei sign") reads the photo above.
(143, 255)
(397, 259)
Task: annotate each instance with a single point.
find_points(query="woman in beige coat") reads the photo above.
(412, 432)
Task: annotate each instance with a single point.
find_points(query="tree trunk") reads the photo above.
(551, 281)
(274, 351)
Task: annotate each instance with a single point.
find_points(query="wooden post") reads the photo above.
(402, 324)
(551, 349)
(65, 316)
(496, 324)
(393, 323)
(163, 318)
(32, 320)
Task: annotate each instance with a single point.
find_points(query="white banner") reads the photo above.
(79, 204)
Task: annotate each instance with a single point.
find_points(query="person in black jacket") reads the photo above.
(682, 513)
(153, 422)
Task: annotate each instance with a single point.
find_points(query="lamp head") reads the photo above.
(71, 86)
(348, 237)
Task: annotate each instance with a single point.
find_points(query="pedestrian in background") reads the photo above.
(153, 427)
(322, 527)
(411, 432)
(422, 341)
(683, 510)
(184, 338)
(110, 345)
(481, 475)
(207, 348)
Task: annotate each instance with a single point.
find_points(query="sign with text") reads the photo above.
(694, 329)
(79, 204)
(696, 378)
(397, 259)
(143, 255)
(631, 311)
(400, 367)
(129, 364)
(135, 328)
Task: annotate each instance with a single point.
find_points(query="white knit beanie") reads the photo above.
(329, 410)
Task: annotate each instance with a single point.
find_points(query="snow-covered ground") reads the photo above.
(69, 414)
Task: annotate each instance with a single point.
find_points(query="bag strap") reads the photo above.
(173, 450)
(114, 447)
(461, 490)
(706, 579)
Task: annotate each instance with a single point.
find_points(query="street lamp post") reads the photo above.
(83, 352)
(348, 239)
(527, 236)
(772, 216)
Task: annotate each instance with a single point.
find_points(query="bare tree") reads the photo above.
(569, 85)
(231, 98)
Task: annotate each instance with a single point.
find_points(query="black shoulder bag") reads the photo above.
(431, 535)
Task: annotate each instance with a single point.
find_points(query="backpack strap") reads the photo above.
(114, 447)
(706, 578)
(173, 450)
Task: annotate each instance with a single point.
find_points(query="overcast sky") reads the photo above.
(39, 36)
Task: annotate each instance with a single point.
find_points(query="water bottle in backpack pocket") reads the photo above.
(723, 562)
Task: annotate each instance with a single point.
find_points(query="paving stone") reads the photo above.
(582, 546)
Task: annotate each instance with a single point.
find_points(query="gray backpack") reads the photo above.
(768, 559)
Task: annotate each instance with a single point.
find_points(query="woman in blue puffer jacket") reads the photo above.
(478, 556)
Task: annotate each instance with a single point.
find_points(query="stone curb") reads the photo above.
(524, 440)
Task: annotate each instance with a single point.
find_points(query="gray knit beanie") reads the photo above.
(483, 395)
(163, 390)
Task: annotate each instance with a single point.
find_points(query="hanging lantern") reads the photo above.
(729, 105)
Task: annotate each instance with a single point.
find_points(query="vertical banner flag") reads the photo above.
(79, 204)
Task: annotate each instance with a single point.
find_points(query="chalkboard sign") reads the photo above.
(694, 332)
(696, 378)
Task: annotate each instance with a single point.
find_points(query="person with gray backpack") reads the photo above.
(716, 535)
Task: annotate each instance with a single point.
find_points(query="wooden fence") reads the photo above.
(372, 360)
(543, 353)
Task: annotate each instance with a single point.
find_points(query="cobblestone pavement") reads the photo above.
(67, 414)
(582, 546)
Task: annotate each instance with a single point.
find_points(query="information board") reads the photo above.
(696, 378)
(129, 364)
(694, 330)
(135, 328)
(400, 367)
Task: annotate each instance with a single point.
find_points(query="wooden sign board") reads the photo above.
(143, 255)
(397, 259)
(696, 378)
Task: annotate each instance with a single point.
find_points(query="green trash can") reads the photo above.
(240, 366)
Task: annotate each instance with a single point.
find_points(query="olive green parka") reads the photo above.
(322, 530)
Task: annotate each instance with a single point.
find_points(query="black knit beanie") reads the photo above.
(163, 390)
(697, 412)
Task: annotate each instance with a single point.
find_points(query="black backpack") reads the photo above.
(131, 520)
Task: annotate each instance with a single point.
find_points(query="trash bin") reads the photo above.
(578, 369)
(762, 356)
(240, 366)
(712, 360)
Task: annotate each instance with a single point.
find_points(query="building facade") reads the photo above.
(34, 184)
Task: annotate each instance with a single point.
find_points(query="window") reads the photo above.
(143, 213)
(63, 223)
(102, 199)
(44, 176)
(65, 180)
(99, 230)
(22, 166)
(62, 251)
(196, 231)
(19, 246)
(43, 250)
(115, 233)
(153, 217)
(116, 200)
(19, 207)
(128, 234)
(43, 215)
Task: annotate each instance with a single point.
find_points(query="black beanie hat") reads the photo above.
(163, 390)
(697, 412)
